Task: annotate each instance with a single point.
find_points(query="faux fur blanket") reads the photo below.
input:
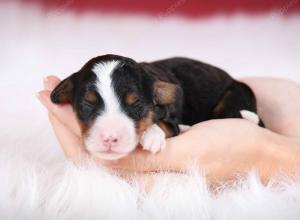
(36, 182)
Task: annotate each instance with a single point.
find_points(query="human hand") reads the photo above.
(277, 104)
(221, 148)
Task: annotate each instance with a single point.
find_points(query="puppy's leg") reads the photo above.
(153, 139)
(238, 101)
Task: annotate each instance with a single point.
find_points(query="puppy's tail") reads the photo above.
(253, 117)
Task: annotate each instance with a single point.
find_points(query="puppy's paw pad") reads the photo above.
(153, 139)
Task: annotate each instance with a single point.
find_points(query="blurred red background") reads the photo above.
(190, 8)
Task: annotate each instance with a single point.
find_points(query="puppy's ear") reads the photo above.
(164, 93)
(63, 93)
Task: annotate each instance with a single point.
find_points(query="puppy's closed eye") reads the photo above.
(91, 97)
(131, 98)
(88, 106)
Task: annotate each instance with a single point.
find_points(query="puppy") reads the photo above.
(120, 103)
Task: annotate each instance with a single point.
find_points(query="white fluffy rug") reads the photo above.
(35, 180)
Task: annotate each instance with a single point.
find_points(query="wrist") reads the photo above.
(281, 156)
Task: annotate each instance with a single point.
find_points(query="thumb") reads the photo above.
(63, 113)
(71, 144)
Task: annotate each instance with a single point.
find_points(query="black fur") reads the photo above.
(202, 91)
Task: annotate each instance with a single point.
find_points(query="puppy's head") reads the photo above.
(115, 101)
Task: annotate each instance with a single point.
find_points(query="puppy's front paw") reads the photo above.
(153, 139)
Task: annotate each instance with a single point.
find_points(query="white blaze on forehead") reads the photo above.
(104, 86)
(113, 121)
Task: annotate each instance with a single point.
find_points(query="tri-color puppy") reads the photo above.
(120, 103)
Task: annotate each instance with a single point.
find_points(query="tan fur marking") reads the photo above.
(221, 104)
(144, 124)
(90, 96)
(164, 92)
(84, 127)
(131, 98)
(165, 128)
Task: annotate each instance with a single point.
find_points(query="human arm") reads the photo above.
(221, 148)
